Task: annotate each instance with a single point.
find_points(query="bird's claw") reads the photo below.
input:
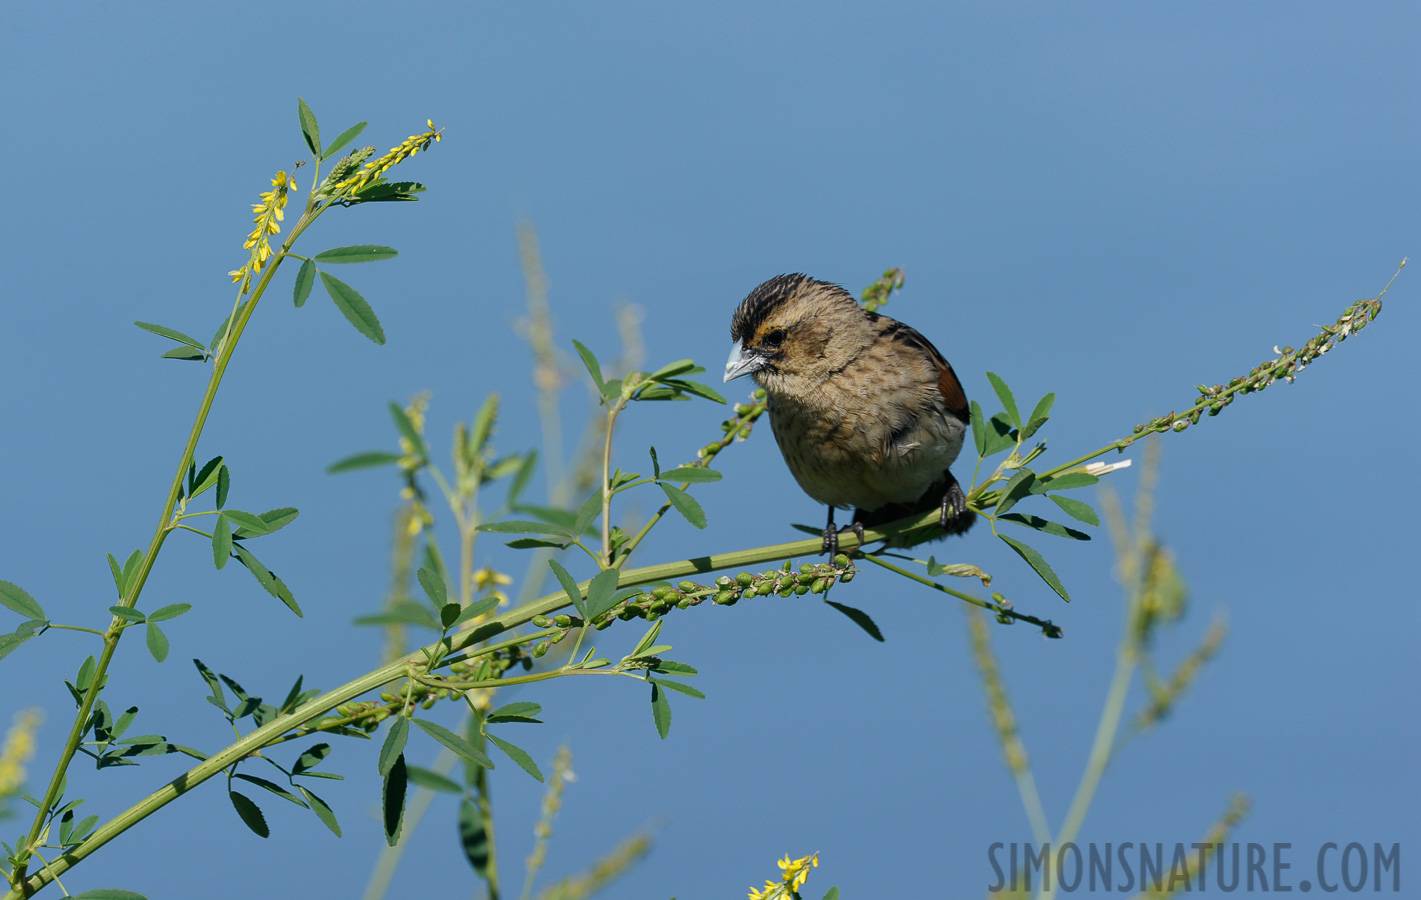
(831, 538)
(954, 516)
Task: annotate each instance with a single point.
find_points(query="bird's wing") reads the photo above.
(953, 397)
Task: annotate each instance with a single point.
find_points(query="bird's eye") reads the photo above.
(775, 338)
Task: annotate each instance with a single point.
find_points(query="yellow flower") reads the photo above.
(488, 578)
(270, 213)
(375, 168)
(19, 747)
(793, 875)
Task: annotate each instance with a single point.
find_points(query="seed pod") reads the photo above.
(541, 648)
(542, 621)
(846, 577)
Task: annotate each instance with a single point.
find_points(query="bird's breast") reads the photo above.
(848, 449)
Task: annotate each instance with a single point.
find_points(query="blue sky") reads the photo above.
(1110, 202)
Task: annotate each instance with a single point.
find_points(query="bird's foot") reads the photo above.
(831, 538)
(955, 518)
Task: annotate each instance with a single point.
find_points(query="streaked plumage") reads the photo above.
(866, 411)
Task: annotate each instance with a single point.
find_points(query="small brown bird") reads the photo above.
(866, 411)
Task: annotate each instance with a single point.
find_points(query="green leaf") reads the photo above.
(695, 387)
(601, 593)
(1018, 487)
(647, 639)
(273, 787)
(365, 460)
(356, 253)
(184, 353)
(569, 584)
(434, 587)
(1081, 512)
(1036, 562)
(449, 614)
(394, 746)
(671, 667)
(354, 308)
(1066, 482)
(172, 334)
(124, 612)
(685, 504)
(1004, 394)
(277, 519)
(451, 740)
(117, 575)
(655, 464)
(12, 596)
(213, 684)
(517, 526)
(321, 809)
(611, 390)
(273, 585)
(130, 568)
(531, 543)
(224, 483)
(1043, 407)
(393, 191)
(1000, 435)
(859, 618)
(518, 755)
(832, 894)
(590, 361)
(691, 474)
(1046, 525)
(979, 429)
(591, 508)
(473, 839)
(248, 522)
(10, 642)
(345, 137)
(678, 687)
(522, 711)
(310, 131)
(250, 813)
(1038, 416)
(680, 367)
(1032, 427)
(524, 475)
(660, 711)
(474, 610)
(422, 777)
(157, 642)
(109, 894)
(205, 477)
(305, 277)
(392, 800)
(406, 428)
(311, 758)
(221, 542)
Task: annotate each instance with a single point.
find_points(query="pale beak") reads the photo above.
(743, 362)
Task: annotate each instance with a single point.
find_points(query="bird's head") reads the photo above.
(793, 327)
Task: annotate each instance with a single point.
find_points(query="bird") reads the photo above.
(866, 411)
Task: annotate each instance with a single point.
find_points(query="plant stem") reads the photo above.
(155, 545)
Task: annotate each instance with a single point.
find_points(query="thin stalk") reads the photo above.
(607, 486)
(317, 707)
(1100, 751)
(155, 545)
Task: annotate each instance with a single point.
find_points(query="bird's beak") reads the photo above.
(743, 362)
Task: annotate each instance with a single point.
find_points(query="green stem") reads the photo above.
(975, 601)
(155, 545)
(314, 709)
(607, 486)
(1100, 751)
